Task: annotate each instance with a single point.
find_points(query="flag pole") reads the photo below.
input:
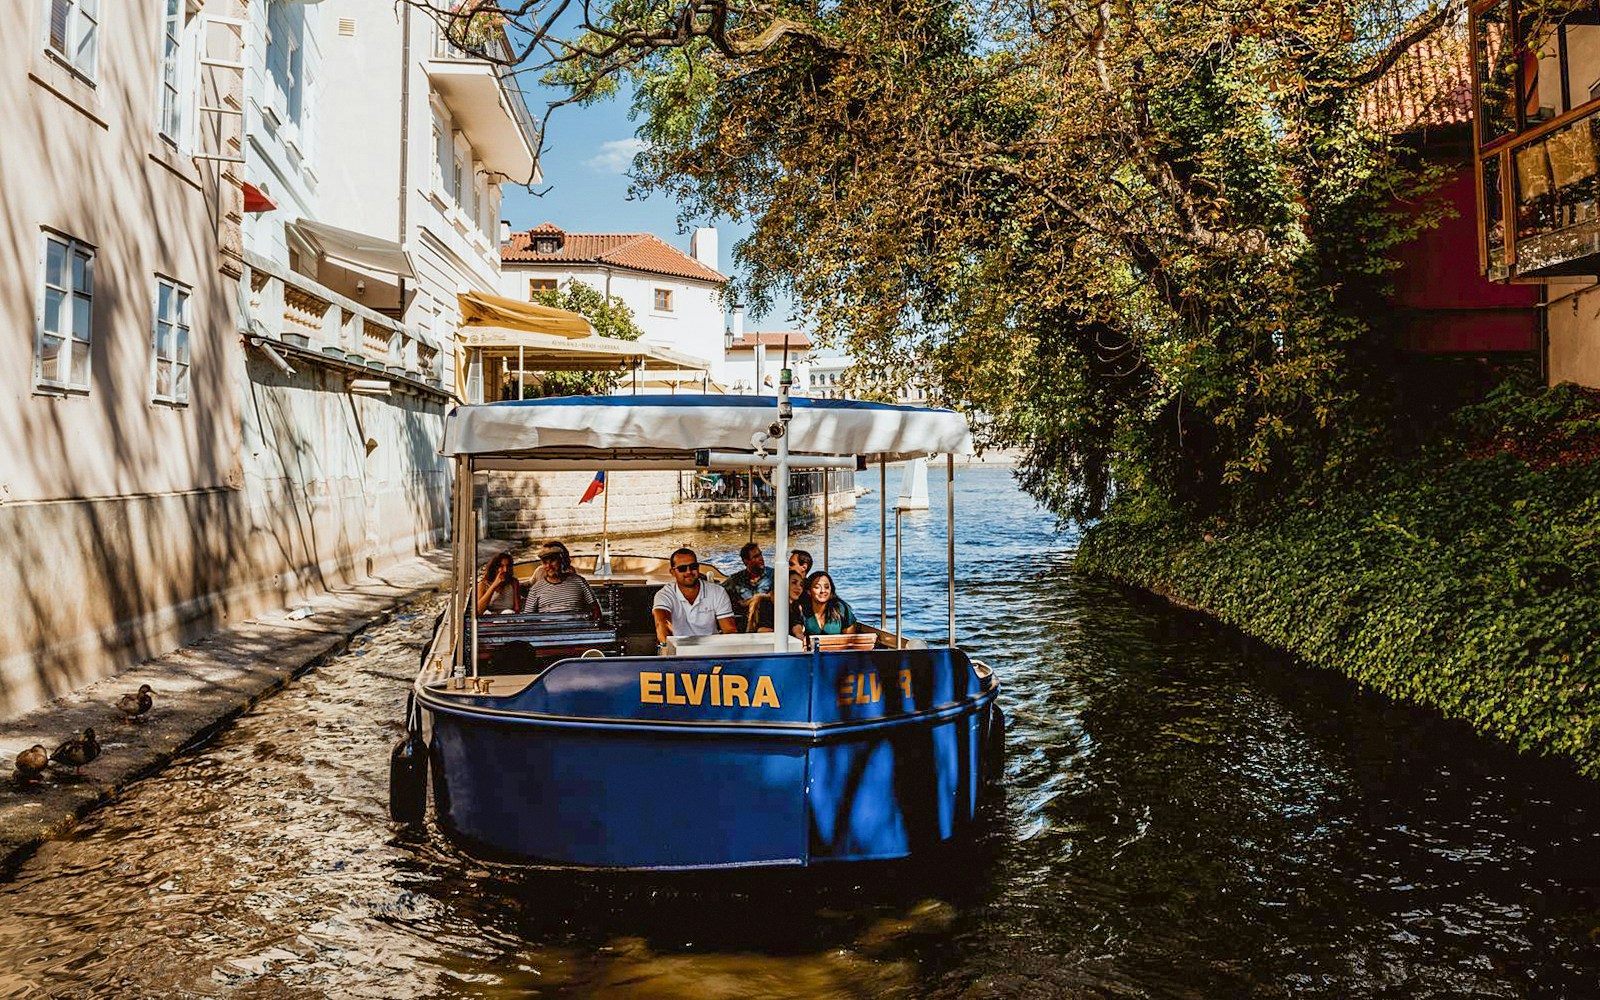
(603, 566)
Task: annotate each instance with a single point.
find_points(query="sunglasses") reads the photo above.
(686, 567)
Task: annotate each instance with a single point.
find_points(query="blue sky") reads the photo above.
(588, 152)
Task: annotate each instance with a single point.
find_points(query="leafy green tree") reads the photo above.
(1148, 240)
(610, 317)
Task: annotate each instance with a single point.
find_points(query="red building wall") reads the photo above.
(1446, 306)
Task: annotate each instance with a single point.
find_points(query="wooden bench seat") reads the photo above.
(847, 641)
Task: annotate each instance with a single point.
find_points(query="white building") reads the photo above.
(384, 147)
(752, 360)
(676, 297)
(825, 376)
(236, 229)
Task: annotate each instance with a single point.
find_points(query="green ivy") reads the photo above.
(1466, 578)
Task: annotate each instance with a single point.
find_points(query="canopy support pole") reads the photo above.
(602, 564)
(827, 497)
(883, 542)
(898, 643)
(780, 609)
(522, 370)
(950, 538)
(460, 579)
(750, 501)
(472, 560)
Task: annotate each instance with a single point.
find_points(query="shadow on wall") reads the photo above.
(131, 526)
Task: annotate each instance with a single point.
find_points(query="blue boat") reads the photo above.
(562, 741)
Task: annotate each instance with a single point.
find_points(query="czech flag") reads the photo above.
(597, 486)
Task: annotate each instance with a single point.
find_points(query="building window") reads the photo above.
(458, 178)
(62, 334)
(443, 153)
(75, 34)
(169, 343)
(171, 46)
(537, 285)
(285, 59)
(663, 300)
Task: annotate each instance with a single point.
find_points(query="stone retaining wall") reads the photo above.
(527, 506)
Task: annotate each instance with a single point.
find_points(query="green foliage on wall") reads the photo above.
(1466, 579)
(609, 316)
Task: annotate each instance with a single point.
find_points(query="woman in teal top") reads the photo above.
(824, 613)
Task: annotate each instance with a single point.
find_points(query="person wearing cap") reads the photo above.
(558, 589)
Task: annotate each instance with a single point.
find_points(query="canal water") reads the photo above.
(1186, 817)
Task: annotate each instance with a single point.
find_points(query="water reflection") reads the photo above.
(1185, 817)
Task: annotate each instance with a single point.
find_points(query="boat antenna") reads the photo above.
(780, 430)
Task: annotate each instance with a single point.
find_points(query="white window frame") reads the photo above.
(71, 251)
(461, 167)
(175, 349)
(80, 18)
(441, 143)
(171, 111)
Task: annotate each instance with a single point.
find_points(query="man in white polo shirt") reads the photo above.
(686, 606)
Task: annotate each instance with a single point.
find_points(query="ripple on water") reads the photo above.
(1183, 819)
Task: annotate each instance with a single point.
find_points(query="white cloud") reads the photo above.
(615, 156)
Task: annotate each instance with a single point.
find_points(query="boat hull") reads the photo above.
(854, 757)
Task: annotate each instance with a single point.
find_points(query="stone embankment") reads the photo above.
(199, 689)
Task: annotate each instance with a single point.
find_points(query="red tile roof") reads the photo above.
(797, 340)
(634, 251)
(1429, 87)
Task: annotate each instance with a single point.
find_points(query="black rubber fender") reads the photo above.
(408, 779)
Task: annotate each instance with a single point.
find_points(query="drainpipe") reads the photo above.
(405, 143)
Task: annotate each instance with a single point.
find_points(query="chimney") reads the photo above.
(736, 327)
(703, 246)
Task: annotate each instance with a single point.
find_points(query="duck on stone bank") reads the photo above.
(31, 764)
(134, 706)
(76, 752)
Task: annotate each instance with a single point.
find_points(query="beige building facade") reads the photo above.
(222, 397)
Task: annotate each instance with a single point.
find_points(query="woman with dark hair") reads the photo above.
(498, 590)
(822, 611)
(761, 608)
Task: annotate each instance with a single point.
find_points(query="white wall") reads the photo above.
(278, 154)
(694, 326)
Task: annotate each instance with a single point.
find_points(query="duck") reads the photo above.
(78, 751)
(134, 706)
(31, 764)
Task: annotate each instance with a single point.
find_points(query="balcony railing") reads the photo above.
(482, 93)
(292, 310)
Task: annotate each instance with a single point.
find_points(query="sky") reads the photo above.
(588, 152)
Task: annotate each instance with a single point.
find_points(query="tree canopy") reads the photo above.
(1146, 241)
(610, 317)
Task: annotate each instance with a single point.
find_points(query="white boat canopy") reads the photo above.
(678, 432)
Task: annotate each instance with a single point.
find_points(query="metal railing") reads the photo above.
(513, 99)
(737, 487)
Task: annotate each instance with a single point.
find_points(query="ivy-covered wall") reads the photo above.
(1466, 578)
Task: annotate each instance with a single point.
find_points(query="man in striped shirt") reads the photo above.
(558, 588)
